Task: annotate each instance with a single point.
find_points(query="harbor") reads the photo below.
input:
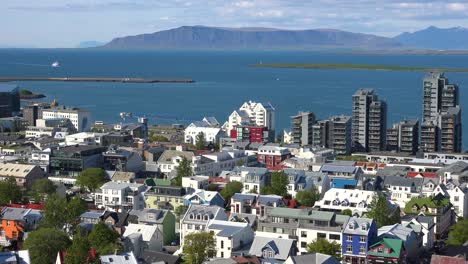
(95, 79)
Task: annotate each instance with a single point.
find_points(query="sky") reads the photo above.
(66, 23)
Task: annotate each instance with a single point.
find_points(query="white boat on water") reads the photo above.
(55, 64)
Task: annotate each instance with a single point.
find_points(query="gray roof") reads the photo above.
(213, 212)
(150, 257)
(281, 246)
(169, 154)
(93, 215)
(456, 167)
(227, 228)
(402, 181)
(251, 170)
(314, 258)
(123, 258)
(337, 168)
(248, 218)
(269, 200)
(11, 213)
(242, 196)
(355, 224)
(154, 216)
(393, 171)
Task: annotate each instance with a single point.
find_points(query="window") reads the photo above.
(222, 254)
(349, 248)
(222, 243)
(349, 238)
(362, 250)
(189, 226)
(334, 237)
(455, 198)
(303, 234)
(362, 239)
(321, 235)
(303, 244)
(14, 234)
(380, 250)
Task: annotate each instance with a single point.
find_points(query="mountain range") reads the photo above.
(203, 37)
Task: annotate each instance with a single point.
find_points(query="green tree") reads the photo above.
(322, 245)
(79, 251)
(381, 212)
(230, 189)
(279, 183)
(198, 247)
(308, 197)
(180, 210)
(104, 239)
(200, 141)
(41, 188)
(458, 234)
(10, 192)
(157, 138)
(44, 244)
(91, 178)
(183, 170)
(60, 213)
(212, 187)
(347, 212)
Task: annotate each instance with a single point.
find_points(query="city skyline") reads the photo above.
(53, 23)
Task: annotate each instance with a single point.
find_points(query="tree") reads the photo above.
(279, 183)
(212, 187)
(91, 178)
(308, 197)
(104, 239)
(183, 170)
(10, 192)
(347, 212)
(458, 234)
(180, 210)
(62, 214)
(198, 247)
(230, 189)
(79, 251)
(381, 212)
(41, 188)
(322, 245)
(44, 244)
(200, 141)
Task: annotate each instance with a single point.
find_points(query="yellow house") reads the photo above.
(164, 197)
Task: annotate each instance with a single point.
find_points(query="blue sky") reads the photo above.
(65, 23)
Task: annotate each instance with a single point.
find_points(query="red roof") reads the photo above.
(27, 206)
(436, 259)
(217, 179)
(360, 164)
(413, 174)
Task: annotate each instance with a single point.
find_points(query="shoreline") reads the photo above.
(333, 66)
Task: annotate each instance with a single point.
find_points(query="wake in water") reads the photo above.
(28, 64)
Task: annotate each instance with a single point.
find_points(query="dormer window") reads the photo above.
(351, 225)
(198, 216)
(205, 217)
(191, 216)
(364, 226)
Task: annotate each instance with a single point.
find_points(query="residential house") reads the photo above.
(272, 156)
(15, 222)
(411, 241)
(272, 250)
(122, 258)
(164, 221)
(195, 182)
(402, 189)
(458, 195)
(337, 200)
(197, 218)
(120, 197)
(305, 180)
(230, 236)
(164, 197)
(358, 235)
(210, 128)
(205, 198)
(24, 174)
(437, 207)
(302, 225)
(386, 250)
(423, 226)
(140, 237)
(254, 204)
(117, 220)
(312, 258)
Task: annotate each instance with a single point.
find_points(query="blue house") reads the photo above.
(358, 234)
(204, 198)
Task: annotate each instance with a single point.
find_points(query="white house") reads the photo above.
(252, 113)
(358, 201)
(402, 190)
(141, 237)
(115, 196)
(197, 218)
(458, 195)
(209, 126)
(230, 236)
(80, 118)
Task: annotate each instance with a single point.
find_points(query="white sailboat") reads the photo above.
(55, 64)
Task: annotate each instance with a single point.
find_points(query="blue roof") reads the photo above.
(342, 183)
(7, 88)
(240, 196)
(269, 199)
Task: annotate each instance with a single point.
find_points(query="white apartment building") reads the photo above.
(230, 236)
(209, 126)
(252, 113)
(197, 218)
(357, 201)
(84, 138)
(119, 197)
(80, 118)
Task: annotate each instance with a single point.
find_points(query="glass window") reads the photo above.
(349, 248)
(362, 239)
(349, 238)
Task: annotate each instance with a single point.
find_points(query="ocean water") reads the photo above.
(224, 80)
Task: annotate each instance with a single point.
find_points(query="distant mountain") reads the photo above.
(202, 37)
(90, 44)
(436, 38)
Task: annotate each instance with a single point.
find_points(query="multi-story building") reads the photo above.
(320, 133)
(361, 119)
(377, 126)
(31, 114)
(338, 200)
(14, 222)
(164, 221)
(80, 118)
(120, 197)
(402, 189)
(438, 95)
(209, 126)
(411, 241)
(69, 161)
(301, 128)
(303, 225)
(205, 198)
(339, 134)
(305, 180)
(198, 217)
(25, 175)
(255, 204)
(252, 178)
(119, 159)
(403, 137)
(458, 195)
(9, 100)
(451, 130)
(358, 234)
(252, 113)
(429, 136)
(272, 156)
(164, 197)
(230, 236)
(252, 134)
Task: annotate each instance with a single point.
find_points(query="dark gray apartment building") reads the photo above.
(403, 137)
(301, 128)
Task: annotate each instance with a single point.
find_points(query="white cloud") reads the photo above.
(244, 4)
(456, 7)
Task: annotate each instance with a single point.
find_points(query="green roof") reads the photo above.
(157, 182)
(429, 202)
(395, 246)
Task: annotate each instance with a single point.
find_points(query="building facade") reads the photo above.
(301, 128)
